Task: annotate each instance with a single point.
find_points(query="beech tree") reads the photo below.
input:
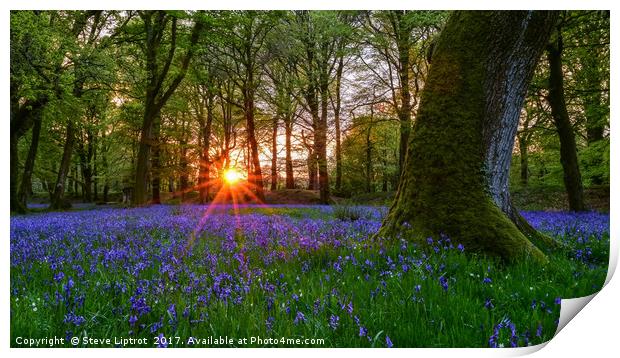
(159, 87)
(568, 147)
(455, 180)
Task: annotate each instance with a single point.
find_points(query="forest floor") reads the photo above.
(306, 276)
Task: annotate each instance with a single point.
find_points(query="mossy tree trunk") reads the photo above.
(455, 179)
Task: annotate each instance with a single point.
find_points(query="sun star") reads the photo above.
(231, 176)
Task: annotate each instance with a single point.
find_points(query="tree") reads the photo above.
(81, 76)
(455, 180)
(561, 119)
(401, 40)
(36, 72)
(319, 35)
(159, 87)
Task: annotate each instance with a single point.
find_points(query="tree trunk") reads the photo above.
(156, 163)
(312, 172)
(205, 160)
(58, 200)
(85, 164)
(290, 180)
(568, 147)
(337, 125)
(144, 148)
(21, 121)
(455, 179)
(156, 94)
(16, 204)
(320, 141)
(255, 176)
(183, 164)
(95, 173)
(404, 111)
(26, 185)
(274, 155)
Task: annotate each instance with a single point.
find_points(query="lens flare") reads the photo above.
(231, 176)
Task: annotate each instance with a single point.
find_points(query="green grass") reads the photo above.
(384, 297)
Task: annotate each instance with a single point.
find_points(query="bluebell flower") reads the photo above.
(443, 282)
(363, 332)
(299, 318)
(163, 342)
(334, 321)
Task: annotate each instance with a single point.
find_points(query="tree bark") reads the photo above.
(320, 144)
(337, 124)
(22, 119)
(288, 132)
(568, 147)
(205, 164)
(58, 201)
(184, 178)
(26, 184)
(156, 163)
(403, 32)
(255, 175)
(274, 155)
(455, 178)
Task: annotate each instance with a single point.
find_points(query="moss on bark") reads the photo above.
(444, 188)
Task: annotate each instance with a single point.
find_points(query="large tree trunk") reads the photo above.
(568, 147)
(139, 191)
(455, 179)
(25, 189)
(58, 201)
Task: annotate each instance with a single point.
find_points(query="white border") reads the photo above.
(592, 332)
